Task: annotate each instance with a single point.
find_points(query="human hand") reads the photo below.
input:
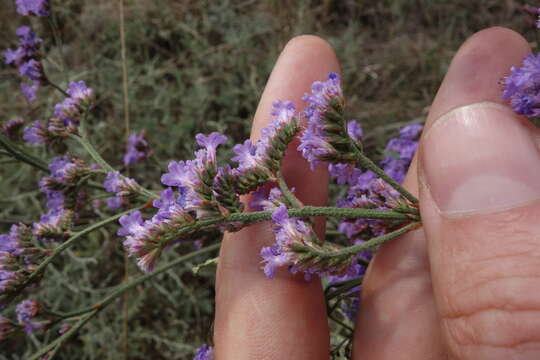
(465, 286)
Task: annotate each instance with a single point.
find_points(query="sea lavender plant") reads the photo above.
(197, 198)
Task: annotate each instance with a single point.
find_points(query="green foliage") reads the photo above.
(200, 66)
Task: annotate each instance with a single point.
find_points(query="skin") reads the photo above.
(423, 296)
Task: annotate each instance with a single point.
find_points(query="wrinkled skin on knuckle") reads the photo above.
(490, 306)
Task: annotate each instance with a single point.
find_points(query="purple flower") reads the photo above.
(246, 155)
(68, 112)
(14, 56)
(410, 132)
(355, 130)
(32, 69)
(27, 59)
(205, 352)
(366, 190)
(53, 225)
(139, 240)
(317, 142)
(80, 92)
(137, 149)
(115, 202)
(32, 7)
(27, 311)
(132, 224)
(210, 143)
(30, 91)
(288, 231)
(259, 156)
(521, 87)
(193, 178)
(122, 186)
(35, 134)
(181, 173)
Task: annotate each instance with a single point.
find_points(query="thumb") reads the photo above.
(479, 196)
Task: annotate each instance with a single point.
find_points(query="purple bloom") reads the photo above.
(366, 190)
(30, 91)
(27, 59)
(521, 87)
(53, 225)
(181, 173)
(410, 132)
(132, 224)
(68, 112)
(35, 134)
(210, 143)
(205, 352)
(137, 149)
(26, 312)
(252, 157)
(14, 56)
(80, 92)
(316, 143)
(31, 69)
(115, 202)
(28, 41)
(288, 231)
(192, 177)
(122, 186)
(355, 130)
(32, 7)
(246, 155)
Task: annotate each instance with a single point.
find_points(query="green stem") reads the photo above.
(70, 242)
(105, 165)
(366, 163)
(21, 155)
(357, 249)
(303, 212)
(90, 312)
(291, 198)
(57, 87)
(342, 287)
(92, 152)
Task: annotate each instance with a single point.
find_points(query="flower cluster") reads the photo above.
(67, 115)
(366, 190)
(27, 312)
(199, 189)
(32, 7)
(521, 87)
(289, 232)
(61, 189)
(137, 149)
(323, 139)
(205, 352)
(18, 258)
(259, 162)
(27, 59)
(122, 186)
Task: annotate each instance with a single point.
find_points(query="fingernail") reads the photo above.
(480, 158)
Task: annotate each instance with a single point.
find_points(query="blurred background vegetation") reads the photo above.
(200, 66)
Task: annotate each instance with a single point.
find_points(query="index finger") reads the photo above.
(282, 318)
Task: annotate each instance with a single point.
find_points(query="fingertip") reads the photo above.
(477, 68)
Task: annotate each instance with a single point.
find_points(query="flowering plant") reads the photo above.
(204, 195)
